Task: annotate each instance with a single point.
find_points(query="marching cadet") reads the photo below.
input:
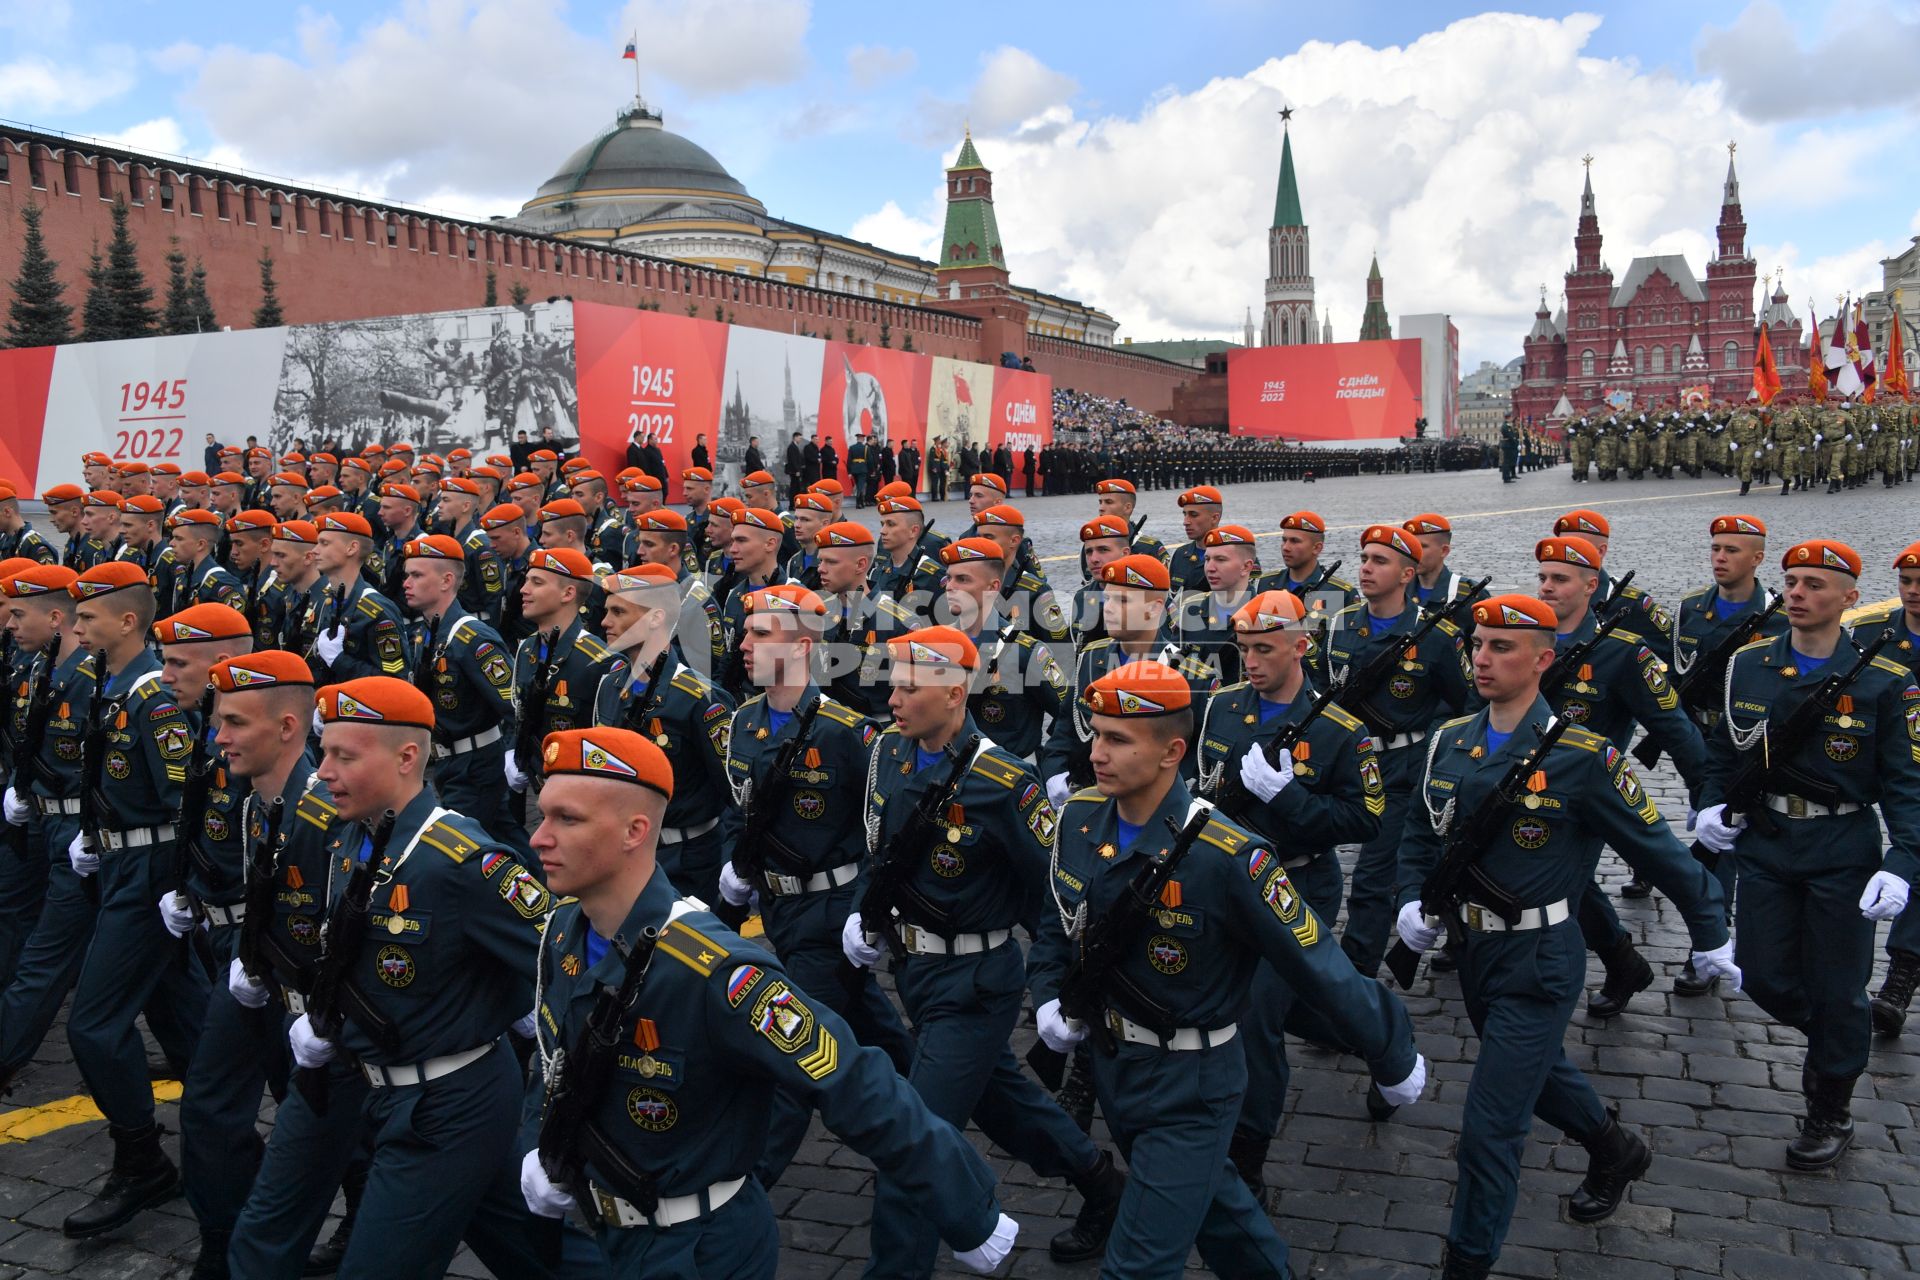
(660, 537)
(1103, 540)
(1620, 684)
(721, 1029)
(1303, 536)
(1030, 605)
(909, 570)
(606, 532)
(754, 562)
(249, 538)
(1201, 622)
(287, 495)
(444, 969)
(757, 491)
(402, 517)
(1889, 1007)
(1522, 978)
(23, 869)
(202, 579)
(1189, 973)
(43, 796)
(483, 584)
(463, 665)
(811, 513)
(1657, 626)
(687, 717)
(64, 505)
(137, 744)
(719, 562)
(1201, 509)
(18, 537)
(144, 543)
(1424, 685)
(1812, 880)
(1117, 497)
(360, 631)
(810, 830)
(1324, 791)
(696, 489)
(289, 607)
(555, 679)
(506, 528)
(960, 975)
(858, 621)
(100, 522)
(1017, 685)
(1434, 584)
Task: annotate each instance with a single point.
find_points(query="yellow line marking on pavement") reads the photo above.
(33, 1122)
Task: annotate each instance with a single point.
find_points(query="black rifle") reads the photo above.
(578, 1080)
(1232, 795)
(93, 795)
(888, 873)
(531, 714)
(340, 945)
(263, 866)
(647, 703)
(1705, 676)
(336, 601)
(1568, 661)
(424, 671)
(1320, 580)
(1104, 944)
(1458, 874)
(760, 807)
(1356, 689)
(1758, 777)
(191, 821)
(1616, 600)
(23, 752)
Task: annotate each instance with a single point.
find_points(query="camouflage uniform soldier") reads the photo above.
(1581, 436)
(1743, 445)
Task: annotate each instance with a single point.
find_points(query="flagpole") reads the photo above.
(638, 100)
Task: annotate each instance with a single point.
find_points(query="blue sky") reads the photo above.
(1134, 144)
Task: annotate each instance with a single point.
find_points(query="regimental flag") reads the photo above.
(1895, 379)
(1860, 349)
(1816, 373)
(1766, 374)
(1841, 371)
(632, 54)
(961, 391)
(1697, 396)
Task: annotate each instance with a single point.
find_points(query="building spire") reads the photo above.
(1586, 195)
(1286, 199)
(1730, 194)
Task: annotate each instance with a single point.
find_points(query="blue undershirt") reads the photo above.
(1421, 593)
(1808, 666)
(595, 946)
(1495, 739)
(777, 720)
(1272, 710)
(924, 759)
(1384, 624)
(1125, 832)
(1727, 608)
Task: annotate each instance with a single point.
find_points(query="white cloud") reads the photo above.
(1863, 58)
(1013, 90)
(871, 64)
(163, 136)
(718, 46)
(891, 227)
(1456, 156)
(33, 87)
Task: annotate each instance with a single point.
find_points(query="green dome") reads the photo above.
(640, 153)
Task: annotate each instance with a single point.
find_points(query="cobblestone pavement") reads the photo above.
(1710, 1082)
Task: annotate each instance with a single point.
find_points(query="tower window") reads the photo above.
(1586, 364)
(1730, 355)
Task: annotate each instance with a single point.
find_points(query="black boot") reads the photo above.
(1247, 1152)
(1896, 993)
(1099, 1189)
(212, 1262)
(1076, 1093)
(1628, 974)
(1378, 1108)
(141, 1177)
(325, 1258)
(1636, 888)
(1690, 983)
(1464, 1266)
(1827, 1131)
(1744, 486)
(1447, 958)
(1615, 1157)
(1786, 487)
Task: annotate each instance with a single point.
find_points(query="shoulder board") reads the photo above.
(839, 714)
(1226, 690)
(1760, 643)
(1222, 836)
(691, 948)
(1004, 772)
(1025, 640)
(1701, 594)
(146, 684)
(464, 631)
(927, 562)
(1341, 717)
(892, 729)
(1888, 665)
(315, 810)
(1193, 666)
(755, 700)
(86, 666)
(454, 843)
(1093, 795)
(687, 681)
(697, 590)
(1874, 617)
(893, 608)
(1625, 636)
(1585, 739)
(1456, 721)
(1347, 609)
(1341, 583)
(368, 607)
(1447, 626)
(590, 646)
(1102, 643)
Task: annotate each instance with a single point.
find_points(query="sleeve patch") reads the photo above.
(524, 894)
(820, 1064)
(1281, 897)
(783, 1017)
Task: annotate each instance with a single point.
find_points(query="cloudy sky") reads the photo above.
(1135, 145)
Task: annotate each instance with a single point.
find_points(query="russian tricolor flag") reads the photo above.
(631, 54)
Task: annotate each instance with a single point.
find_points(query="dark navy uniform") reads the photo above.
(209, 583)
(1203, 627)
(28, 544)
(916, 583)
(1031, 607)
(855, 642)
(1657, 623)
(732, 675)
(485, 581)
(376, 635)
(735, 1032)
(1172, 1097)
(1314, 593)
(464, 666)
(583, 662)
(1070, 738)
(1017, 688)
(1449, 588)
(1187, 566)
(1903, 936)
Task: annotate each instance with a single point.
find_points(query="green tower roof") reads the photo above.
(972, 235)
(968, 158)
(1286, 201)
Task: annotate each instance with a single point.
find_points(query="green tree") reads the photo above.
(518, 294)
(98, 322)
(886, 334)
(39, 315)
(267, 315)
(180, 316)
(906, 343)
(202, 304)
(134, 315)
(493, 290)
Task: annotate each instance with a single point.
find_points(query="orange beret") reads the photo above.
(783, 597)
(987, 480)
(833, 487)
(1428, 522)
(500, 460)
(1908, 559)
(757, 478)
(759, 518)
(562, 509)
(900, 506)
(811, 501)
(1145, 572)
(104, 579)
(345, 522)
(105, 498)
(1268, 611)
(966, 549)
(583, 475)
(501, 516)
(1228, 535)
(1305, 522)
(1392, 537)
(460, 484)
(698, 473)
(296, 531)
(377, 700)
(356, 464)
(435, 546)
(844, 533)
(1822, 553)
(486, 471)
(1003, 514)
(133, 468)
(325, 458)
(565, 561)
(1752, 525)
(1201, 495)
(641, 577)
(1568, 550)
(267, 669)
(891, 489)
(197, 516)
(1139, 689)
(935, 648)
(525, 480)
(63, 493)
(195, 479)
(252, 522)
(143, 504)
(166, 468)
(1517, 612)
(292, 478)
(393, 466)
(543, 455)
(619, 754)
(1104, 527)
(261, 451)
(726, 508)
(1583, 522)
(399, 489)
(323, 494)
(579, 464)
(202, 622)
(459, 453)
(1114, 486)
(642, 481)
(665, 520)
(102, 459)
(38, 580)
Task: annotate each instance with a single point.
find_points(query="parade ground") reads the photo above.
(1711, 1083)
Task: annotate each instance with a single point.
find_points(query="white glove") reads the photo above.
(309, 1050)
(83, 860)
(1818, 437)
(1885, 898)
(1059, 1032)
(984, 1258)
(1407, 1092)
(331, 644)
(733, 890)
(537, 1189)
(18, 810)
(1413, 928)
(516, 780)
(1717, 963)
(176, 913)
(524, 1026)
(245, 991)
(1733, 446)
(853, 943)
(1713, 830)
(1058, 791)
(1262, 779)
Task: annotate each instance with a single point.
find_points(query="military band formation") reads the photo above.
(534, 845)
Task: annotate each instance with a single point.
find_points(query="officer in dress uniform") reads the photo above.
(1813, 881)
(717, 1031)
(1422, 687)
(1303, 536)
(1201, 509)
(959, 972)
(361, 632)
(137, 744)
(569, 669)
(1889, 1007)
(687, 717)
(1017, 685)
(1522, 979)
(815, 835)
(1170, 1068)
(1326, 790)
